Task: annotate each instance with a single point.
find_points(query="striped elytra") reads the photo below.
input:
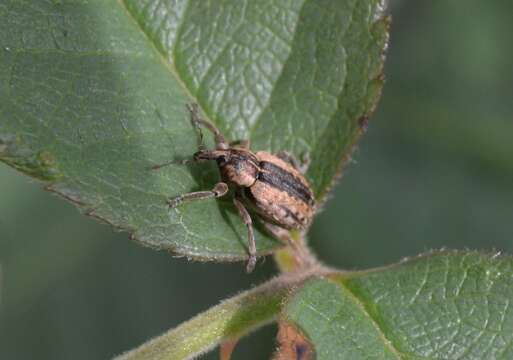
(281, 194)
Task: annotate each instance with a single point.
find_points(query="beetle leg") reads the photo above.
(197, 121)
(220, 189)
(292, 160)
(278, 232)
(246, 218)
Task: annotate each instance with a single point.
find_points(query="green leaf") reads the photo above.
(439, 306)
(92, 93)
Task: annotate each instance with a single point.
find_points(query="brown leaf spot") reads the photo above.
(293, 345)
(226, 349)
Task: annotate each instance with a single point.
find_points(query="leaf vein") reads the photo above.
(362, 305)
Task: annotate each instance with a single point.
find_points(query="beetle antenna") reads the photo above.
(172, 162)
(197, 121)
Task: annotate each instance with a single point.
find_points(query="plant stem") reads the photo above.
(231, 319)
(296, 256)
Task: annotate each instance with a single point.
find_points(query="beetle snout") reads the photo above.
(210, 155)
(203, 155)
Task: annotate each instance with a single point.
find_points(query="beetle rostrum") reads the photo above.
(237, 166)
(270, 184)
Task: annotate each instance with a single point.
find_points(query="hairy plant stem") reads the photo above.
(231, 319)
(238, 316)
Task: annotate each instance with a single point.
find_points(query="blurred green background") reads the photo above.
(434, 170)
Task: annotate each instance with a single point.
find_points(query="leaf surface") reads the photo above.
(444, 306)
(93, 93)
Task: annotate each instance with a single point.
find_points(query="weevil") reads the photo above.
(272, 185)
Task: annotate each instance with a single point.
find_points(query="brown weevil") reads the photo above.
(272, 185)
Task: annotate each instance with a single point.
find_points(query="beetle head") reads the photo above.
(239, 167)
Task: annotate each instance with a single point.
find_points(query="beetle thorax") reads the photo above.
(239, 167)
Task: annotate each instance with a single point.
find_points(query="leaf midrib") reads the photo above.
(169, 65)
(388, 343)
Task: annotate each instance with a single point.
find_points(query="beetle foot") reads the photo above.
(305, 162)
(251, 264)
(174, 202)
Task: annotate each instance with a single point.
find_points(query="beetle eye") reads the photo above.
(221, 160)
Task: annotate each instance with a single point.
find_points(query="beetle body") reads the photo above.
(274, 188)
(271, 185)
